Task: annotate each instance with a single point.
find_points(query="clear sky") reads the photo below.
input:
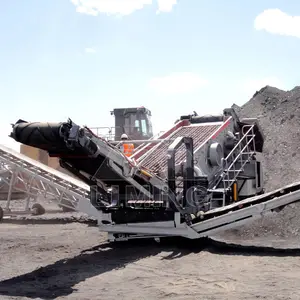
(81, 59)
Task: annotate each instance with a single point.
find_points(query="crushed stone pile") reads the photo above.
(279, 116)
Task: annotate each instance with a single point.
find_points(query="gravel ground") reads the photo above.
(73, 261)
(64, 256)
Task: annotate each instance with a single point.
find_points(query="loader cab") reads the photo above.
(135, 122)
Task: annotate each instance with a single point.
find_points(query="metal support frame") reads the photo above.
(154, 141)
(36, 179)
(188, 175)
(240, 155)
(212, 222)
(116, 158)
(230, 161)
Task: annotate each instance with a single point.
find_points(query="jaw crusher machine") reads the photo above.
(201, 176)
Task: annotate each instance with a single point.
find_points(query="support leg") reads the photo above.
(10, 190)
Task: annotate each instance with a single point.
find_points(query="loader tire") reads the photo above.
(37, 209)
(1, 214)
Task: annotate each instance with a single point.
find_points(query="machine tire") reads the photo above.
(66, 209)
(1, 214)
(37, 209)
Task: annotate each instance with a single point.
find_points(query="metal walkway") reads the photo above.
(21, 174)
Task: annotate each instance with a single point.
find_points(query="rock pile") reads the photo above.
(279, 116)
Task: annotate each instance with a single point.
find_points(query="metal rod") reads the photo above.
(139, 141)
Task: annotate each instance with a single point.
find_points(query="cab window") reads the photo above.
(144, 127)
(150, 132)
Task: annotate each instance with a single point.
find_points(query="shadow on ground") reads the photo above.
(51, 221)
(57, 280)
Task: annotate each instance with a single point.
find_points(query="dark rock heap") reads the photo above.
(279, 116)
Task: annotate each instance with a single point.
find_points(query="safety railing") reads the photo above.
(235, 161)
(107, 133)
(155, 137)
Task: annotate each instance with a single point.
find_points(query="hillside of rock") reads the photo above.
(279, 116)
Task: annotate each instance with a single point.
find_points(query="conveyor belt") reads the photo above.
(156, 161)
(214, 221)
(7, 154)
(244, 211)
(78, 154)
(36, 179)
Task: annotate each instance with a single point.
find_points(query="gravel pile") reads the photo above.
(279, 116)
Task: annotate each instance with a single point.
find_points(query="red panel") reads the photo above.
(225, 125)
(141, 152)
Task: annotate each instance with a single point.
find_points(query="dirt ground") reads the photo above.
(57, 259)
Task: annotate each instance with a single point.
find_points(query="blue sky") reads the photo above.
(81, 59)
